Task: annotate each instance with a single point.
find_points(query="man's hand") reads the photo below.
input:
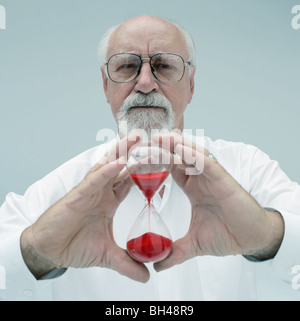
(226, 220)
(77, 231)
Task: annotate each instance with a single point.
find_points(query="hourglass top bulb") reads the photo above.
(148, 166)
(149, 183)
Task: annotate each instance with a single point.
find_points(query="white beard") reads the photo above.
(149, 121)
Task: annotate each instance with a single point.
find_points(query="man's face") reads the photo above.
(149, 35)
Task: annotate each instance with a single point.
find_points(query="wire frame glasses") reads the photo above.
(165, 67)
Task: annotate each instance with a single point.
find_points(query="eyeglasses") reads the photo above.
(165, 67)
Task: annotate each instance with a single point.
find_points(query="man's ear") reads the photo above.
(192, 83)
(105, 81)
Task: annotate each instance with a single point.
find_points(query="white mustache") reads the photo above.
(151, 99)
(147, 119)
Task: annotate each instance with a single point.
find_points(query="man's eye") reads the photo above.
(126, 67)
(163, 66)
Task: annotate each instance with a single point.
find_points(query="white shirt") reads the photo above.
(200, 278)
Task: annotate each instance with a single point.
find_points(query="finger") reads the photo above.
(167, 141)
(170, 140)
(101, 175)
(190, 158)
(122, 185)
(102, 161)
(125, 265)
(118, 151)
(122, 147)
(123, 176)
(180, 253)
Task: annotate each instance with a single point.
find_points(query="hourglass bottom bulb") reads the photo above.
(149, 247)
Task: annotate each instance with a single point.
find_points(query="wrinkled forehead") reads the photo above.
(147, 36)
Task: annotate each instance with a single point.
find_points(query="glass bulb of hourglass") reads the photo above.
(149, 183)
(149, 239)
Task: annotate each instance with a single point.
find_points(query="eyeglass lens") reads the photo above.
(165, 67)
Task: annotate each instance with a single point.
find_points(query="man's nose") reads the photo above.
(146, 82)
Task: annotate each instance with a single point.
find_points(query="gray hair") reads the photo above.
(104, 43)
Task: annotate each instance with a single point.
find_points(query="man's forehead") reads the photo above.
(145, 34)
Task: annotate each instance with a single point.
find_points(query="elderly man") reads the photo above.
(65, 238)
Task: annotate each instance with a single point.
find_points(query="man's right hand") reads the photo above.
(77, 231)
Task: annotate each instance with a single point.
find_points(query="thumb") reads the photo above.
(122, 263)
(180, 253)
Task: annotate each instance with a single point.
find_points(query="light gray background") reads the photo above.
(52, 102)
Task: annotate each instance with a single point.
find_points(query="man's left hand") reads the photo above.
(226, 219)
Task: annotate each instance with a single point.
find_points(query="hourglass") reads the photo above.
(149, 239)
